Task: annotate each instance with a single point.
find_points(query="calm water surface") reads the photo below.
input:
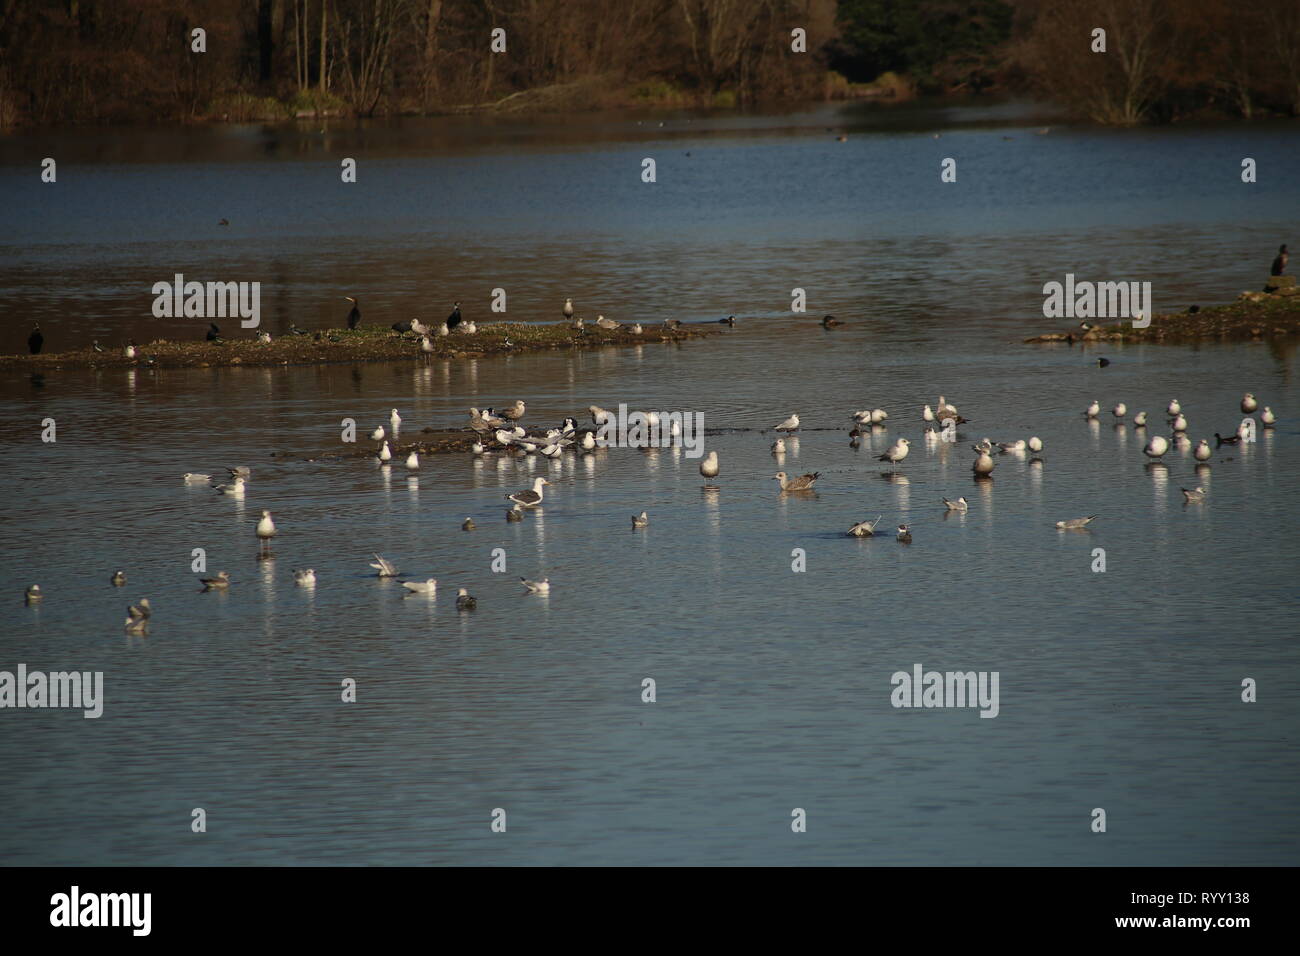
(1118, 690)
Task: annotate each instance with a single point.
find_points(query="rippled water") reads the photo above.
(1118, 690)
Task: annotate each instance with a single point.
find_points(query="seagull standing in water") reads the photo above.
(1093, 410)
(959, 505)
(1268, 418)
(394, 420)
(529, 499)
(1203, 452)
(413, 461)
(384, 453)
(791, 424)
(896, 452)
(983, 464)
(1156, 447)
(568, 308)
(709, 466)
(265, 532)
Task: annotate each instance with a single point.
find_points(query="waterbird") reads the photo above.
(983, 464)
(394, 420)
(529, 499)
(1120, 410)
(264, 337)
(1035, 444)
(1092, 410)
(514, 412)
(1009, 446)
(943, 410)
(982, 447)
(1103, 362)
(1268, 418)
(377, 434)
(791, 424)
(190, 478)
(1156, 447)
(385, 567)
(130, 349)
(214, 333)
(577, 325)
(1195, 494)
(1140, 419)
(641, 520)
(878, 416)
(95, 346)
(304, 576)
(896, 452)
(904, 534)
(33, 594)
(240, 471)
(454, 319)
(384, 453)
(465, 601)
(959, 505)
(428, 586)
(1230, 440)
(467, 524)
(514, 514)
(1179, 423)
(220, 583)
(599, 416)
(413, 461)
(729, 320)
(864, 529)
(1202, 452)
(635, 328)
(1279, 264)
(927, 414)
(442, 330)
(537, 587)
(36, 339)
(588, 441)
(426, 344)
(137, 625)
(607, 324)
(568, 308)
(802, 483)
(1248, 403)
(235, 488)
(709, 466)
(477, 447)
(1072, 523)
(118, 579)
(1173, 408)
(830, 322)
(354, 316)
(778, 447)
(141, 610)
(265, 531)
(223, 222)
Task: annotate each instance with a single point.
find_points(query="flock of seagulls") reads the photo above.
(500, 429)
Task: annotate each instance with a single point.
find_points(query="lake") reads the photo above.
(1118, 690)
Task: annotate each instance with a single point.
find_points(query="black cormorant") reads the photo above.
(454, 319)
(1279, 264)
(354, 317)
(214, 333)
(35, 340)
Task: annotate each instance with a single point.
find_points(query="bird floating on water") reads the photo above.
(413, 461)
(802, 483)
(33, 594)
(234, 489)
(1248, 403)
(1070, 524)
(1120, 410)
(1194, 494)
(864, 529)
(537, 587)
(1140, 419)
(959, 505)
(641, 520)
(904, 534)
(1156, 447)
(220, 583)
(428, 586)
(1230, 440)
(830, 322)
(1179, 423)
(1093, 410)
(1035, 444)
(1268, 418)
(394, 420)
(465, 601)
(983, 464)
(514, 514)
(778, 447)
(378, 433)
(709, 466)
(118, 579)
(191, 478)
(385, 567)
(304, 576)
(467, 525)
(1173, 408)
(1202, 451)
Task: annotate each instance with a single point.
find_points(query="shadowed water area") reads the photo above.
(1118, 690)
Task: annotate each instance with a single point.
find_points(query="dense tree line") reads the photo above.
(88, 61)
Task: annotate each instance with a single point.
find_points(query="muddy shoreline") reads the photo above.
(366, 344)
(1255, 315)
